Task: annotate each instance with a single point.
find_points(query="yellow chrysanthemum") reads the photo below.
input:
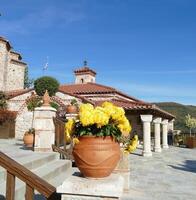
(69, 128)
(118, 113)
(100, 117)
(85, 107)
(109, 108)
(124, 126)
(86, 113)
(75, 141)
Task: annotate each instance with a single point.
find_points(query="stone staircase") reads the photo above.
(48, 166)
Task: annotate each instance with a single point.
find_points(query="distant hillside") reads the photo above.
(180, 111)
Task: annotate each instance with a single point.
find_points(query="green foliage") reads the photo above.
(54, 105)
(46, 83)
(107, 130)
(74, 102)
(180, 111)
(190, 122)
(3, 103)
(33, 102)
(27, 81)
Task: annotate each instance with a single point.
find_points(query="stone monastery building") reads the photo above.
(85, 89)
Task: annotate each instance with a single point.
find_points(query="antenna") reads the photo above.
(46, 65)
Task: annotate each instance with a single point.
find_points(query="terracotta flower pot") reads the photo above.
(96, 157)
(28, 139)
(71, 109)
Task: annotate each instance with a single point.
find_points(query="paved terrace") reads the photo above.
(170, 175)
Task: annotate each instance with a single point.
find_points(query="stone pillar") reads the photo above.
(164, 134)
(146, 119)
(171, 125)
(157, 134)
(44, 126)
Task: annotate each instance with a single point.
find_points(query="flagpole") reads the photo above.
(45, 66)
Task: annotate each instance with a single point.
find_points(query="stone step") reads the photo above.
(54, 172)
(31, 161)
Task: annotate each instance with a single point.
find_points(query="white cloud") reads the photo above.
(40, 20)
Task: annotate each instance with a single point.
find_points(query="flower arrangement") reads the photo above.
(100, 121)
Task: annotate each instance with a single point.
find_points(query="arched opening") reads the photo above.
(82, 80)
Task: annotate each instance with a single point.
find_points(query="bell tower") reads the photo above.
(84, 75)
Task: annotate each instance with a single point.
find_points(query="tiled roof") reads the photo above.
(128, 104)
(14, 93)
(131, 104)
(139, 106)
(93, 88)
(83, 70)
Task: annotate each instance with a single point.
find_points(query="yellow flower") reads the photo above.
(75, 141)
(118, 113)
(86, 113)
(100, 117)
(109, 108)
(69, 128)
(124, 126)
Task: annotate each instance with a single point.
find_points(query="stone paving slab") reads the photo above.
(164, 176)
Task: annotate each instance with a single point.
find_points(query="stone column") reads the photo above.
(44, 126)
(164, 134)
(157, 134)
(171, 125)
(146, 119)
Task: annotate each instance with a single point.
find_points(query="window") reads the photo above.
(82, 80)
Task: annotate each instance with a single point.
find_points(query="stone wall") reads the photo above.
(23, 123)
(11, 69)
(24, 117)
(84, 78)
(66, 99)
(3, 64)
(15, 76)
(136, 125)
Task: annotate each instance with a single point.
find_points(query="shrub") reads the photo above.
(6, 115)
(54, 105)
(3, 104)
(33, 102)
(46, 83)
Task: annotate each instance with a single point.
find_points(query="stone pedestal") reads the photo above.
(146, 119)
(79, 188)
(123, 169)
(44, 128)
(157, 134)
(164, 134)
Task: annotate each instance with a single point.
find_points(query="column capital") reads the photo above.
(164, 122)
(157, 120)
(146, 118)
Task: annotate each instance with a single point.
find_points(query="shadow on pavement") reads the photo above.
(189, 166)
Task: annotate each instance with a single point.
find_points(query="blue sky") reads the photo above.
(146, 48)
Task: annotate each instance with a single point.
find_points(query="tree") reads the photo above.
(27, 81)
(190, 122)
(46, 83)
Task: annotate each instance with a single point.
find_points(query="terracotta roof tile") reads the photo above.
(14, 93)
(128, 104)
(84, 69)
(93, 88)
(138, 106)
